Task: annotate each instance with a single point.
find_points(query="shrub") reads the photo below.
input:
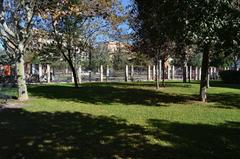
(230, 76)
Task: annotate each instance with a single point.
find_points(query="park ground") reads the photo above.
(123, 120)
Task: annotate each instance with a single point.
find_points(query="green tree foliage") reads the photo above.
(120, 59)
(160, 26)
(211, 25)
(17, 19)
(100, 56)
(74, 22)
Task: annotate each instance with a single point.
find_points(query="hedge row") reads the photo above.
(230, 76)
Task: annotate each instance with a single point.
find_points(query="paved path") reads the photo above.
(5, 104)
(11, 106)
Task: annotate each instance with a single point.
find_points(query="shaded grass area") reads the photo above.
(7, 93)
(139, 94)
(11, 91)
(109, 94)
(123, 120)
(63, 135)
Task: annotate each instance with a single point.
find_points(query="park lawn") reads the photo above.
(124, 120)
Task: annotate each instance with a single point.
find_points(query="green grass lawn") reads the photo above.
(120, 120)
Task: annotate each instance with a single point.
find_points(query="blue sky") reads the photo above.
(126, 2)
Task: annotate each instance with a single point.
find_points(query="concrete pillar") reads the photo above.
(190, 72)
(52, 74)
(132, 73)
(211, 73)
(154, 72)
(107, 73)
(66, 70)
(72, 78)
(157, 72)
(173, 72)
(169, 72)
(48, 73)
(126, 73)
(149, 73)
(80, 74)
(101, 73)
(196, 73)
(187, 75)
(33, 69)
(160, 70)
(199, 73)
(215, 72)
(40, 73)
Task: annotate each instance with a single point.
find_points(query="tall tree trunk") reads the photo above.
(21, 81)
(69, 59)
(74, 73)
(208, 80)
(204, 74)
(90, 66)
(184, 73)
(184, 68)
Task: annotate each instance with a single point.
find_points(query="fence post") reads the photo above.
(169, 70)
(154, 72)
(187, 75)
(190, 72)
(196, 74)
(33, 69)
(40, 72)
(132, 73)
(72, 77)
(160, 70)
(173, 72)
(215, 73)
(80, 74)
(101, 73)
(66, 70)
(211, 72)
(126, 73)
(48, 73)
(107, 73)
(149, 73)
(200, 73)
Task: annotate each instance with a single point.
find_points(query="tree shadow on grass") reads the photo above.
(61, 135)
(199, 141)
(225, 100)
(108, 94)
(64, 135)
(224, 85)
(153, 84)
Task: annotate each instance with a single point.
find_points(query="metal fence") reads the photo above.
(46, 73)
